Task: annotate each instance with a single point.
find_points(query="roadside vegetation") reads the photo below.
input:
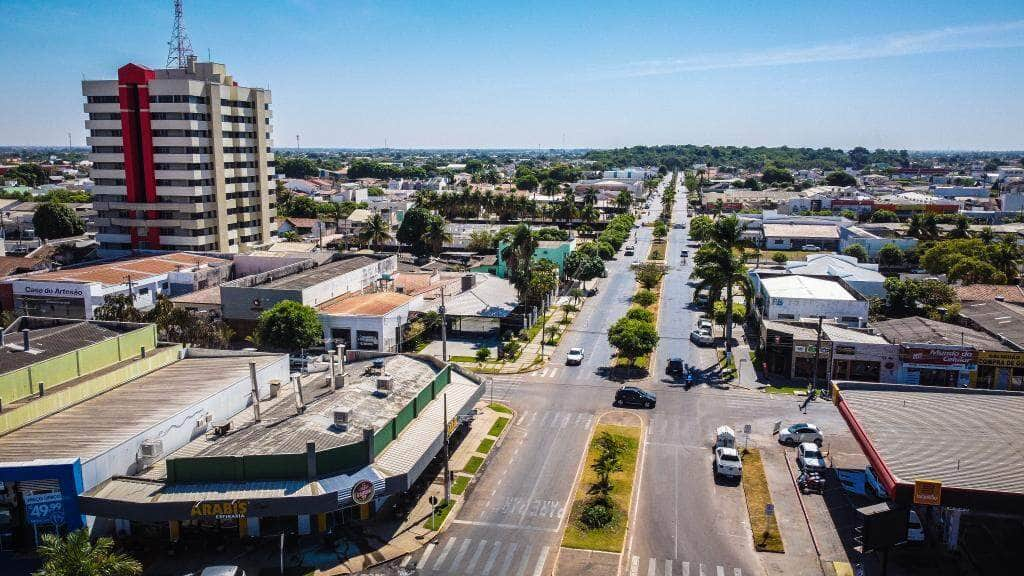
(764, 528)
(600, 509)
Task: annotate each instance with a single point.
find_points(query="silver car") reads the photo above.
(800, 433)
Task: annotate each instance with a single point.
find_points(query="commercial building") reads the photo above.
(554, 251)
(77, 292)
(792, 297)
(372, 321)
(873, 237)
(861, 276)
(181, 160)
(950, 455)
(796, 236)
(790, 350)
(312, 456)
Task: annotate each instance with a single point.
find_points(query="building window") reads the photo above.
(102, 100)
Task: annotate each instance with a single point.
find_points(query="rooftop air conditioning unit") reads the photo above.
(384, 383)
(151, 449)
(342, 416)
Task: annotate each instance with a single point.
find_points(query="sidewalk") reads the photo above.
(531, 351)
(395, 538)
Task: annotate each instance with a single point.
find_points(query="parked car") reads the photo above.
(808, 457)
(800, 433)
(704, 324)
(702, 337)
(728, 463)
(675, 367)
(630, 250)
(810, 248)
(574, 357)
(633, 396)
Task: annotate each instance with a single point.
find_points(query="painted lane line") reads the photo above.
(444, 553)
(426, 555)
(462, 554)
(737, 572)
(492, 558)
(721, 571)
(541, 561)
(686, 569)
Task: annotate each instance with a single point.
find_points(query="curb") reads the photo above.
(807, 519)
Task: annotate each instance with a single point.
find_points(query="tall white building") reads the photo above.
(181, 160)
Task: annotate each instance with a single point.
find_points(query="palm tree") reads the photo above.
(75, 555)
(376, 231)
(590, 197)
(718, 265)
(961, 229)
(624, 200)
(437, 234)
(567, 207)
(986, 235)
(518, 257)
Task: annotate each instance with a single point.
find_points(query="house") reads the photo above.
(874, 236)
(553, 250)
(355, 221)
(311, 228)
(793, 297)
(861, 276)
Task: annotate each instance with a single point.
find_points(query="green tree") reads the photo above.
(518, 257)
(437, 235)
(376, 231)
(911, 297)
(298, 167)
(583, 266)
(884, 216)
(974, 271)
(28, 174)
(527, 182)
(773, 175)
(701, 228)
(644, 298)
(118, 308)
(660, 229)
(923, 227)
(480, 240)
(857, 251)
(543, 281)
(840, 178)
(414, 227)
(780, 258)
(848, 214)
(483, 354)
(641, 314)
(961, 228)
(633, 338)
(890, 256)
(56, 220)
(302, 207)
(624, 200)
(649, 274)
(717, 267)
(290, 326)
(76, 555)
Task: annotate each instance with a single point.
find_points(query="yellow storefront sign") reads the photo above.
(1001, 359)
(927, 492)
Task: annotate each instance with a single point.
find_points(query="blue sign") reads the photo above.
(769, 509)
(45, 508)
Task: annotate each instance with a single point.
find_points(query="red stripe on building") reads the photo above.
(137, 141)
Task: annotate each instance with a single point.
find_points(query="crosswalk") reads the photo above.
(549, 373)
(555, 420)
(667, 567)
(457, 555)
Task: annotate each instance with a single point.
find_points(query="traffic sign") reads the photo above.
(432, 500)
(769, 509)
(746, 428)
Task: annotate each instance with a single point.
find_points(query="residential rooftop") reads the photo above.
(806, 287)
(837, 265)
(990, 292)
(115, 273)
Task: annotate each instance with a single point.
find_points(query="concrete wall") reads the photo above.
(799, 308)
(385, 326)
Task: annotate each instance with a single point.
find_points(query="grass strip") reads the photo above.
(462, 359)
(460, 484)
(499, 408)
(497, 427)
(765, 529)
(474, 464)
(485, 446)
(440, 513)
(611, 537)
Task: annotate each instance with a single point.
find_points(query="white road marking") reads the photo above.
(526, 560)
(508, 558)
(462, 554)
(426, 555)
(652, 567)
(686, 569)
(476, 556)
(721, 571)
(405, 561)
(634, 566)
(444, 553)
(540, 561)
(492, 558)
(668, 568)
(737, 572)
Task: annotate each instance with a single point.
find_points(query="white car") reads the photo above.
(728, 463)
(800, 433)
(704, 324)
(702, 337)
(810, 248)
(574, 357)
(808, 457)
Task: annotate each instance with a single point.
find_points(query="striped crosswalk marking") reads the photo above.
(462, 553)
(634, 566)
(668, 568)
(721, 571)
(426, 554)
(508, 558)
(737, 572)
(492, 558)
(652, 567)
(444, 552)
(526, 560)
(476, 556)
(686, 569)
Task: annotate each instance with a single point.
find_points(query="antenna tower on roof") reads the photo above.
(179, 49)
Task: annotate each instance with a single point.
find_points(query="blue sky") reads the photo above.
(902, 74)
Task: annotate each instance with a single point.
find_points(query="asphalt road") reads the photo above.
(683, 523)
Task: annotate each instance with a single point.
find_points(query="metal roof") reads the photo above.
(918, 330)
(51, 337)
(314, 276)
(116, 273)
(997, 318)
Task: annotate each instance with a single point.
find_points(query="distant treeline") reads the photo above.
(677, 157)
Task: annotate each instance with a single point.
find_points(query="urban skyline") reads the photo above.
(926, 77)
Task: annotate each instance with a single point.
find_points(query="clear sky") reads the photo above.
(939, 74)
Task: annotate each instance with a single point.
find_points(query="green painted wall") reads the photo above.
(22, 383)
(342, 459)
(274, 466)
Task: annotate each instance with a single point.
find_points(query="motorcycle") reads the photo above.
(811, 482)
(689, 377)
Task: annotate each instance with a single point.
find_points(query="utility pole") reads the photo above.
(817, 355)
(447, 472)
(131, 294)
(444, 329)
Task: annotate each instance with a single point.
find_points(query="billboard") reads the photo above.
(936, 356)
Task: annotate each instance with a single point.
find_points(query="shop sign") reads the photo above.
(45, 508)
(220, 510)
(1001, 359)
(846, 350)
(932, 356)
(67, 290)
(927, 492)
(362, 492)
(367, 340)
(453, 425)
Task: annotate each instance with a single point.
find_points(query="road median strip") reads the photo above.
(599, 514)
(763, 525)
